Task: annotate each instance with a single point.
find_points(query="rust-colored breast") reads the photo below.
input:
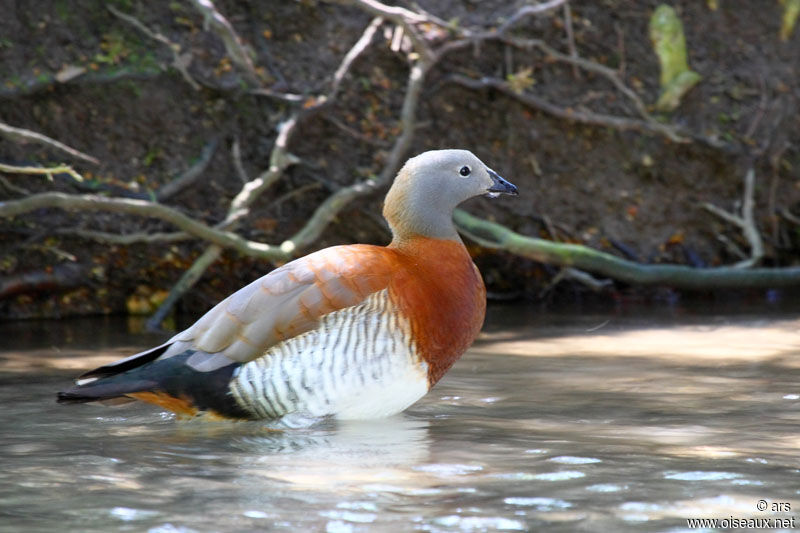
(440, 291)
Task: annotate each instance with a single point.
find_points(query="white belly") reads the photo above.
(359, 363)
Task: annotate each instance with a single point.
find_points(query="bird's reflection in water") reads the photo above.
(339, 453)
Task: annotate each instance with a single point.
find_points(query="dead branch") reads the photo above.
(21, 135)
(497, 236)
(589, 66)
(180, 61)
(187, 178)
(186, 282)
(236, 157)
(90, 202)
(10, 187)
(582, 116)
(573, 51)
(527, 11)
(745, 221)
(353, 54)
(785, 213)
(234, 46)
(280, 160)
(46, 171)
(126, 239)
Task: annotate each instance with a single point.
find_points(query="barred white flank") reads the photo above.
(359, 363)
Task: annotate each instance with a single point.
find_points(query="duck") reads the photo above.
(350, 332)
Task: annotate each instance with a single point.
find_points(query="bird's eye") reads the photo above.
(465, 171)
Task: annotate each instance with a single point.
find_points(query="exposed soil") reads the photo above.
(633, 194)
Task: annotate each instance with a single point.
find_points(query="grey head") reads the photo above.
(430, 186)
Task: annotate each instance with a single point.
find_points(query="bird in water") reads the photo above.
(353, 332)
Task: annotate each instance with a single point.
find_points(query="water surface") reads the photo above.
(557, 422)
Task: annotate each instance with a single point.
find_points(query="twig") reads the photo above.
(597, 68)
(621, 47)
(214, 20)
(180, 61)
(569, 273)
(356, 50)
(13, 188)
(285, 97)
(585, 117)
(47, 171)
(186, 282)
(21, 135)
(126, 239)
(762, 109)
(573, 52)
(236, 156)
(785, 213)
(745, 221)
(188, 177)
(527, 11)
(354, 133)
(276, 203)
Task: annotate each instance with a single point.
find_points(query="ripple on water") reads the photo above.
(540, 504)
(572, 460)
(701, 475)
(639, 511)
(606, 487)
(559, 476)
(127, 514)
(480, 523)
(350, 516)
(448, 470)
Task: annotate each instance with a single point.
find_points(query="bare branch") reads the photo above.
(236, 156)
(47, 171)
(585, 117)
(590, 66)
(126, 239)
(401, 16)
(285, 97)
(187, 281)
(746, 221)
(188, 177)
(785, 213)
(573, 51)
(13, 188)
(21, 135)
(527, 11)
(180, 61)
(214, 20)
(352, 54)
(90, 202)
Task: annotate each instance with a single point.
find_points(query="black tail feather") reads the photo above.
(129, 363)
(174, 376)
(103, 390)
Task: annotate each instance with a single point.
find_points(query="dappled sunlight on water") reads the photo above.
(558, 423)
